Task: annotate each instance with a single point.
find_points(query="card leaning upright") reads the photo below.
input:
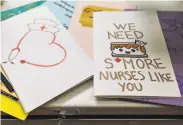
(131, 57)
(40, 57)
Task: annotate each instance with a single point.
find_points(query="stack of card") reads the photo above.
(46, 53)
(41, 59)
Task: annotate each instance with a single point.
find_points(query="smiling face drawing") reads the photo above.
(131, 50)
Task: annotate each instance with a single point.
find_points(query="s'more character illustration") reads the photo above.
(129, 50)
(86, 18)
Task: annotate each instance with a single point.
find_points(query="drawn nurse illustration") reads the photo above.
(39, 46)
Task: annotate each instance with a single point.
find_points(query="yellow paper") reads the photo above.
(9, 104)
(86, 18)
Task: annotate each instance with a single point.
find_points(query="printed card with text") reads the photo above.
(131, 58)
(40, 57)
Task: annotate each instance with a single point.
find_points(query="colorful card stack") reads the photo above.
(53, 48)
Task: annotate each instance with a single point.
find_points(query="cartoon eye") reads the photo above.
(132, 50)
(137, 49)
(120, 50)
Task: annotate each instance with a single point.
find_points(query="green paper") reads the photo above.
(15, 11)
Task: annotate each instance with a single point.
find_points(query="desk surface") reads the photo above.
(81, 97)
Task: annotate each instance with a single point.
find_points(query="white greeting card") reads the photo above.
(40, 57)
(131, 57)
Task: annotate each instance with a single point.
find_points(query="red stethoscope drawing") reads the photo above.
(17, 49)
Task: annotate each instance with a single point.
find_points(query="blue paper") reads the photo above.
(63, 10)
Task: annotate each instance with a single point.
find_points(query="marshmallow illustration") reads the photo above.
(129, 50)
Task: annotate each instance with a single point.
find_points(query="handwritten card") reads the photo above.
(41, 59)
(131, 56)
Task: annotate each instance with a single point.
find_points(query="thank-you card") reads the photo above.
(131, 57)
(40, 57)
